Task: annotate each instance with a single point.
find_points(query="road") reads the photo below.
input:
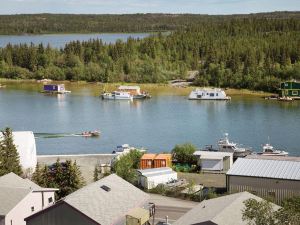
(172, 207)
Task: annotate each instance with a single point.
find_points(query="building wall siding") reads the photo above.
(264, 187)
(60, 215)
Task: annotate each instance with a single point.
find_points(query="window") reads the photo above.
(295, 93)
(50, 200)
(32, 208)
(10, 222)
(212, 95)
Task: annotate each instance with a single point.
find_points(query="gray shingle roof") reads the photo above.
(10, 197)
(13, 180)
(280, 169)
(107, 207)
(226, 210)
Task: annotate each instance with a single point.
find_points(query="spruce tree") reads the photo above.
(9, 156)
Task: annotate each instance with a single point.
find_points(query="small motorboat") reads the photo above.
(268, 150)
(90, 133)
(285, 99)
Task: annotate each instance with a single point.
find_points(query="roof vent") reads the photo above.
(105, 188)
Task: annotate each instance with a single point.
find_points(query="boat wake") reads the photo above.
(57, 135)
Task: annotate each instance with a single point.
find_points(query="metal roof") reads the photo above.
(267, 168)
(155, 170)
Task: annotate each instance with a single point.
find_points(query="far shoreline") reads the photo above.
(156, 88)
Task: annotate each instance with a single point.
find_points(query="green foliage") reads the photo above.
(254, 51)
(96, 173)
(9, 156)
(126, 166)
(184, 154)
(64, 176)
(259, 212)
(263, 213)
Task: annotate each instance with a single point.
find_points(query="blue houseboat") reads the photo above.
(55, 88)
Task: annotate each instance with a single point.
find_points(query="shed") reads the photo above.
(25, 144)
(162, 160)
(146, 161)
(150, 178)
(214, 161)
(268, 178)
(137, 216)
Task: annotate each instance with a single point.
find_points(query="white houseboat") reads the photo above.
(135, 91)
(117, 95)
(208, 94)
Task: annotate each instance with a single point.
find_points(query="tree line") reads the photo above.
(254, 52)
(72, 23)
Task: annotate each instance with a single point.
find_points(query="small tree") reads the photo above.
(259, 212)
(64, 176)
(96, 173)
(184, 154)
(126, 166)
(9, 156)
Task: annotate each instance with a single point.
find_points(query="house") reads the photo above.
(214, 161)
(226, 210)
(20, 198)
(107, 201)
(269, 178)
(290, 89)
(25, 144)
(150, 178)
(155, 161)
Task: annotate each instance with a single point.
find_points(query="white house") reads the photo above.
(214, 161)
(25, 143)
(20, 198)
(108, 201)
(150, 178)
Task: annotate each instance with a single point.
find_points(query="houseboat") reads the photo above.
(135, 91)
(208, 94)
(55, 89)
(269, 150)
(117, 95)
(289, 90)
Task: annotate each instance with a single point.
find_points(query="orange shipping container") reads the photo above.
(147, 161)
(163, 160)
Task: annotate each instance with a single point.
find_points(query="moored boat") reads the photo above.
(268, 150)
(208, 94)
(285, 99)
(125, 149)
(55, 89)
(135, 91)
(117, 95)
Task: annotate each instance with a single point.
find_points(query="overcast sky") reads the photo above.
(147, 6)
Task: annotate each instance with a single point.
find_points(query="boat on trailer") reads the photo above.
(208, 94)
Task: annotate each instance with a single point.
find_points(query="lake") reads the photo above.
(59, 40)
(157, 124)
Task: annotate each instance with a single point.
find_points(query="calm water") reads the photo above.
(157, 124)
(59, 40)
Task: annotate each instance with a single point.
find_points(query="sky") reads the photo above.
(147, 6)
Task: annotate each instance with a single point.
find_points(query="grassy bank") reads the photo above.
(94, 89)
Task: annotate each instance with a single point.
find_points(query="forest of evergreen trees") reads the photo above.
(255, 52)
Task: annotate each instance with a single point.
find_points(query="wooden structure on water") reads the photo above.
(290, 89)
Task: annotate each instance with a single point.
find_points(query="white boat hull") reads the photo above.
(208, 94)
